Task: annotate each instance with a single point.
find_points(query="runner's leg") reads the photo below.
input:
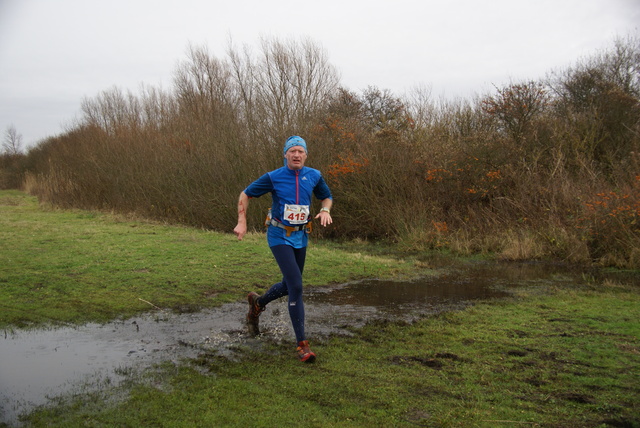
(291, 262)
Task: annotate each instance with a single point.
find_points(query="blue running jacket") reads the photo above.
(288, 187)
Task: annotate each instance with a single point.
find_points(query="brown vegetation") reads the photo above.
(536, 169)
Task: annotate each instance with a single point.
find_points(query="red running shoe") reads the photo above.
(253, 317)
(305, 354)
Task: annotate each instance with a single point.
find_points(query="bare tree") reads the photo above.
(294, 79)
(282, 88)
(12, 143)
(421, 106)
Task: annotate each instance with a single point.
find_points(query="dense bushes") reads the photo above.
(534, 169)
(11, 170)
(186, 155)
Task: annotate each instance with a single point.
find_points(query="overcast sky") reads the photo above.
(53, 53)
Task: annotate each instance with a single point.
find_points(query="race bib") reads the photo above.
(296, 214)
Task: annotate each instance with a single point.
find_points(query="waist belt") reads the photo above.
(290, 229)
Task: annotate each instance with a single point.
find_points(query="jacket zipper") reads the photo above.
(297, 187)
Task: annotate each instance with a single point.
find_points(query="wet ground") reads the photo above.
(36, 366)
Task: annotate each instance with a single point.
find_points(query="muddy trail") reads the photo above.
(36, 366)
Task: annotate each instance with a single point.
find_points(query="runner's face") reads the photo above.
(295, 157)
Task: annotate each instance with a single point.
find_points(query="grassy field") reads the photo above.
(76, 266)
(549, 356)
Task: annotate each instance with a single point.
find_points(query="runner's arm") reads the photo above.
(241, 228)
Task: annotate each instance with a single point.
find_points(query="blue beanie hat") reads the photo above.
(295, 141)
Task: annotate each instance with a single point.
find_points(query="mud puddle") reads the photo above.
(37, 366)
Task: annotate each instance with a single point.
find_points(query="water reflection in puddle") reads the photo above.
(38, 365)
(405, 299)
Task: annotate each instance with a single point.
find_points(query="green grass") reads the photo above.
(76, 266)
(566, 359)
(550, 356)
